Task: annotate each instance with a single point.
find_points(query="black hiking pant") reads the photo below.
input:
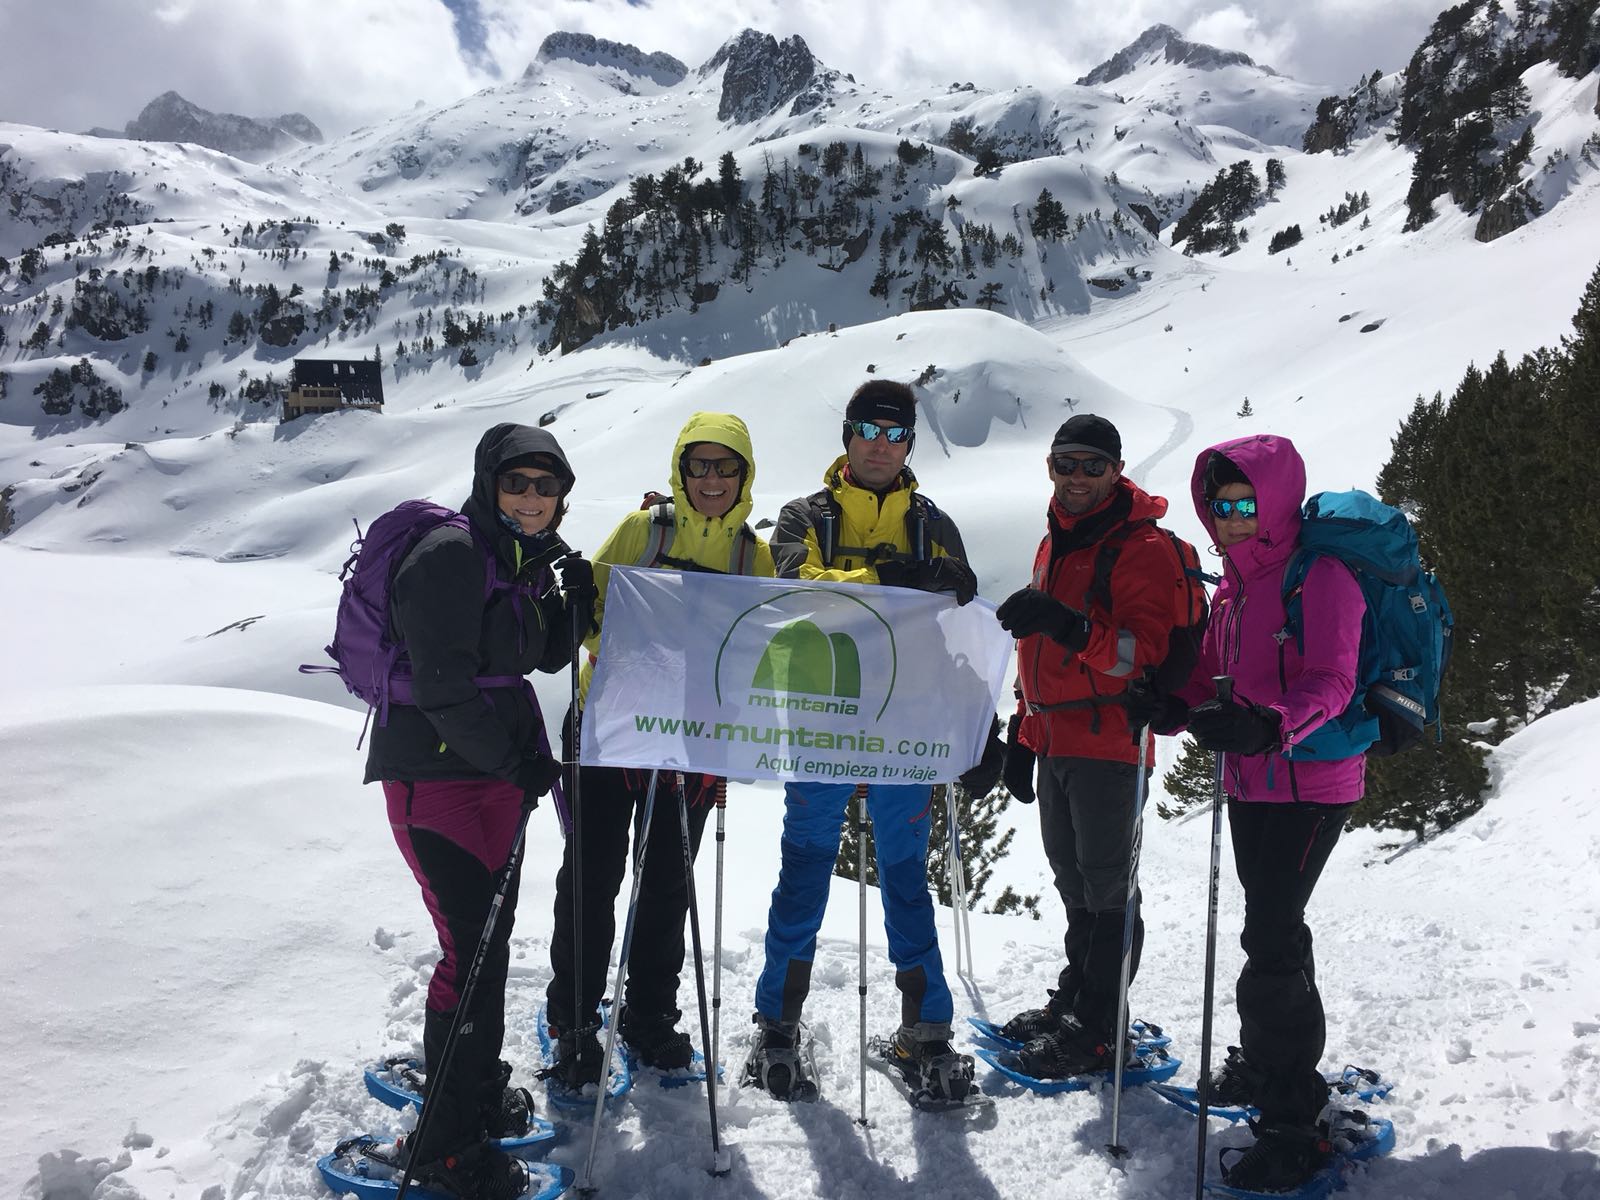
(612, 800)
(1087, 820)
(1279, 851)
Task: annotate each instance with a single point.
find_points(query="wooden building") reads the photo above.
(319, 385)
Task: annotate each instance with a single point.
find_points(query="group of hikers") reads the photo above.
(476, 608)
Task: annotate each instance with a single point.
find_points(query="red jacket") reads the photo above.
(1147, 588)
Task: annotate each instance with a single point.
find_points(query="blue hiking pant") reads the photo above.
(812, 817)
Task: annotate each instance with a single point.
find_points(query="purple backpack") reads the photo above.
(369, 662)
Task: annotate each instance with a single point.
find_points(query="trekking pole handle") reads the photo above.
(1224, 687)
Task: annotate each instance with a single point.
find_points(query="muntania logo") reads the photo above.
(802, 667)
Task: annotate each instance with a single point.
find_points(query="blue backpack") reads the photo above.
(1406, 634)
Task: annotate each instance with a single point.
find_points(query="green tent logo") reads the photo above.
(779, 654)
(801, 658)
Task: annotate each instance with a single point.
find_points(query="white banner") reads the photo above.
(780, 679)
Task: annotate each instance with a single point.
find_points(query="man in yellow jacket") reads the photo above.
(701, 529)
(868, 524)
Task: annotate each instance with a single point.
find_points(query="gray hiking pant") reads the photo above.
(1087, 820)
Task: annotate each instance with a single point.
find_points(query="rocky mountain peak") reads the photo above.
(591, 51)
(1171, 45)
(171, 118)
(762, 74)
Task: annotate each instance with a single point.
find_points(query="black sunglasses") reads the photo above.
(869, 431)
(1092, 467)
(726, 468)
(1244, 507)
(546, 485)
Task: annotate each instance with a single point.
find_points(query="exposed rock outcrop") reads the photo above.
(1174, 47)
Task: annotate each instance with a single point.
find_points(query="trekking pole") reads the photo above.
(716, 937)
(1129, 912)
(436, 1079)
(861, 939)
(585, 1187)
(580, 1019)
(1225, 694)
(721, 1161)
(960, 913)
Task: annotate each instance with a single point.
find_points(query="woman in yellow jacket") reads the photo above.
(702, 529)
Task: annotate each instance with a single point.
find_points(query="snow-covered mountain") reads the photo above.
(168, 557)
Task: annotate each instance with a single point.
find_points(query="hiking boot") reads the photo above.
(1033, 1023)
(507, 1111)
(1284, 1158)
(475, 1172)
(657, 1040)
(1235, 1083)
(580, 1059)
(924, 1056)
(1070, 1050)
(777, 1065)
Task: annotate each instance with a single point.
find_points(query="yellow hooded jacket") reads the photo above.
(705, 541)
(867, 520)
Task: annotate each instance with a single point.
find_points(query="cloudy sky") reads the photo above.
(72, 64)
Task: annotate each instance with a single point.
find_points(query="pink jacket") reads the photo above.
(1246, 616)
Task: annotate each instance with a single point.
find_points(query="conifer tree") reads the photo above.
(1191, 781)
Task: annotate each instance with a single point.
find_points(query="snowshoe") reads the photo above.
(1076, 1062)
(369, 1168)
(782, 1061)
(573, 1064)
(655, 1043)
(1352, 1085)
(1280, 1167)
(1144, 1033)
(927, 1071)
(399, 1082)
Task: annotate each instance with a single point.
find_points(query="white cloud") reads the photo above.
(76, 63)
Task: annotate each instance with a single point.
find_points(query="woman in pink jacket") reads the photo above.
(1286, 812)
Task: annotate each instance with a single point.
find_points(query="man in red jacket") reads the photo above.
(1107, 590)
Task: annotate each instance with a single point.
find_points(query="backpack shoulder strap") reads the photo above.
(1294, 582)
(658, 539)
(923, 523)
(742, 561)
(1105, 560)
(826, 518)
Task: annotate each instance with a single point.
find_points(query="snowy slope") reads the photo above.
(219, 1005)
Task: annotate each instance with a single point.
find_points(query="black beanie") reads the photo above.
(1221, 471)
(1087, 432)
(883, 400)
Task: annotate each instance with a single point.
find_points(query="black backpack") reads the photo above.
(923, 521)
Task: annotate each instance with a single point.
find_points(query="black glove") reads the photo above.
(1019, 764)
(943, 574)
(577, 581)
(1028, 611)
(577, 574)
(1234, 728)
(1148, 707)
(536, 776)
(980, 779)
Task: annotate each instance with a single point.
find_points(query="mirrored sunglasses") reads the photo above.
(869, 431)
(1244, 507)
(1065, 465)
(726, 468)
(545, 485)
